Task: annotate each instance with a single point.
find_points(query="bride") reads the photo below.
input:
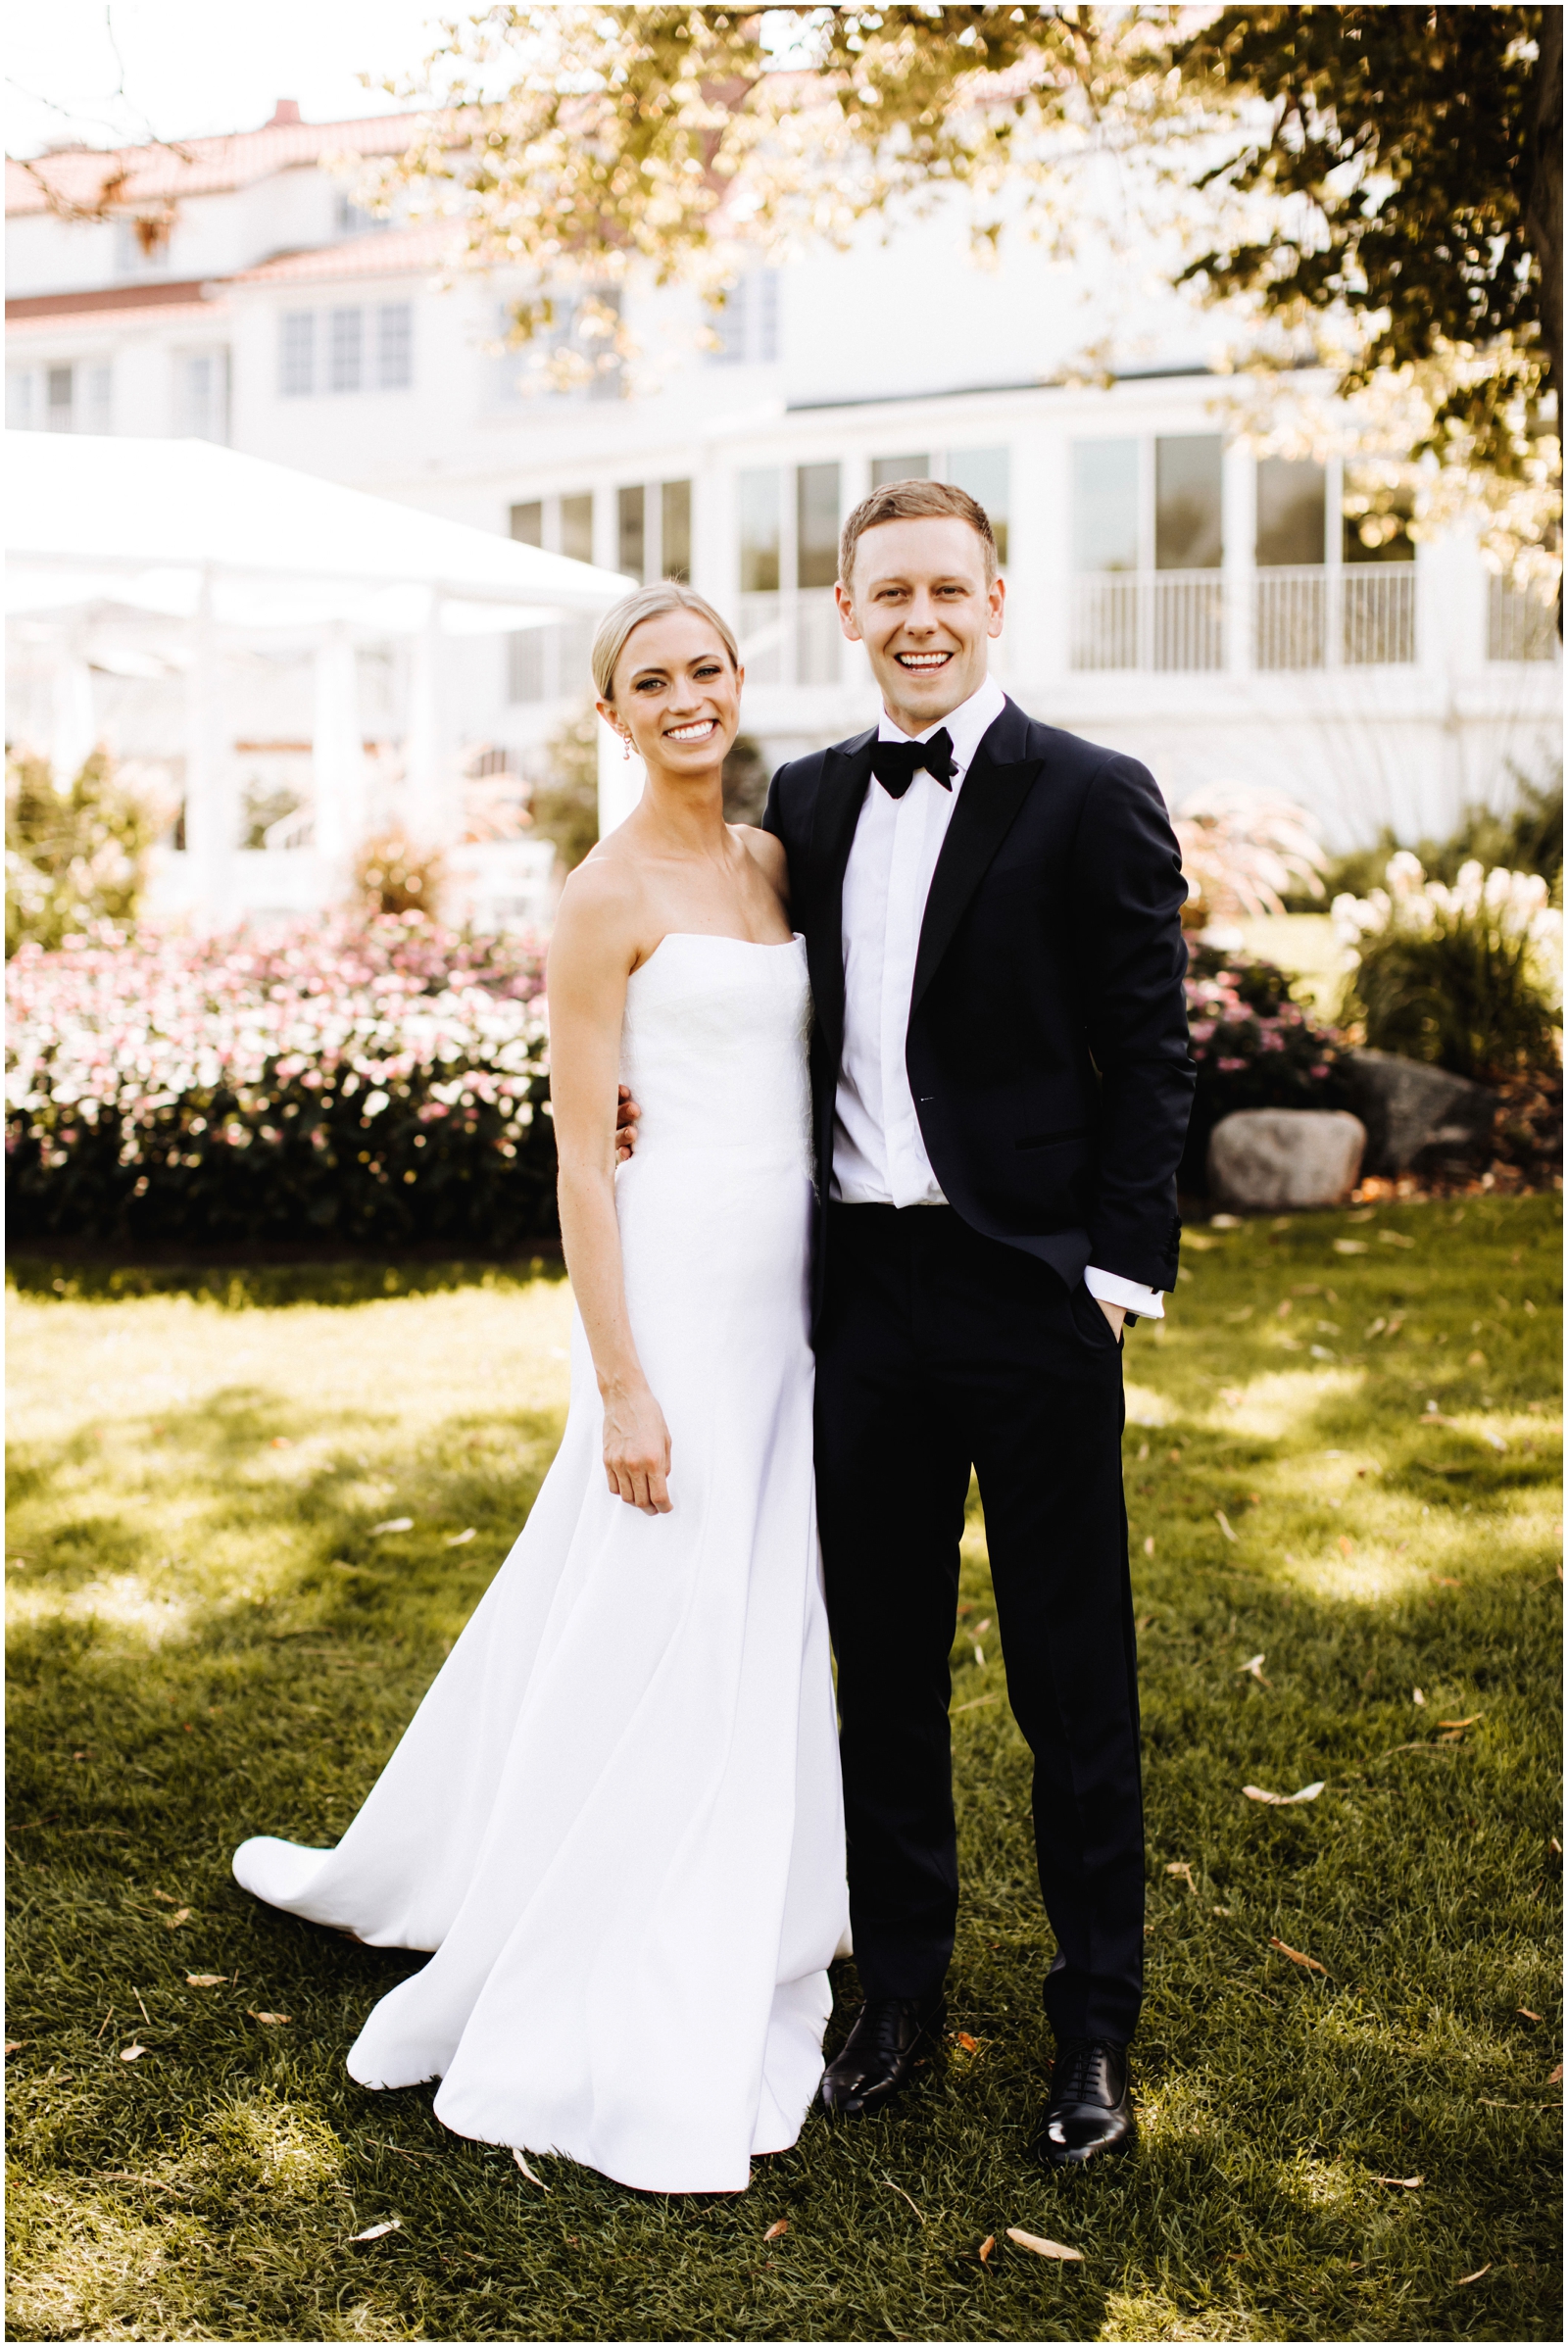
(615, 1817)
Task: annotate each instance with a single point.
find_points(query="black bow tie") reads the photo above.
(896, 763)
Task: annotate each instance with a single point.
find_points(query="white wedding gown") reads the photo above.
(617, 1815)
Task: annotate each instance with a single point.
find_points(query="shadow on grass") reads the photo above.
(249, 1284)
(213, 2185)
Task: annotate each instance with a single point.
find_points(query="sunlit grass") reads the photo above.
(211, 1637)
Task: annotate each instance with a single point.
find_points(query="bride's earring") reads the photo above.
(625, 745)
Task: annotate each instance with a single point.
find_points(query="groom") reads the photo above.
(991, 911)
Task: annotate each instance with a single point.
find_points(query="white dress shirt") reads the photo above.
(879, 1155)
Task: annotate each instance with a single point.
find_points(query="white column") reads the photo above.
(620, 780)
(337, 756)
(1239, 526)
(211, 819)
(429, 797)
(74, 735)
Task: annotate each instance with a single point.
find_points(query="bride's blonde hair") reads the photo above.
(667, 595)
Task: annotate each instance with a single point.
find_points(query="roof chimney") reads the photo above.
(285, 114)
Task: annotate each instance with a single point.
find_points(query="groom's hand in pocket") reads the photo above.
(627, 1115)
(637, 1449)
(1115, 1314)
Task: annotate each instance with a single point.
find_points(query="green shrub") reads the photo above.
(1466, 978)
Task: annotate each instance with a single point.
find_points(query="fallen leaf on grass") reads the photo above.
(529, 2172)
(971, 2045)
(456, 1540)
(1309, 1792)
(1309, 1963)
(14, 2045)
(164, 1899)
(375, 2233)
(1406, 2184)
(1528, 2016)
(1469, 1723)
(1554, 2076)
(1475, 2276)
(132, 2053)
(1416, 1696)
(392, 1524)
(1394, 1239)
(1224, 1523)
(205, 1979)
(986, 2247)
(1349, 1246)
(1182, 1869)
(1255, 1666)
(271, 2020)
(782, 2225)
(171, 1923)
(1043, 2248)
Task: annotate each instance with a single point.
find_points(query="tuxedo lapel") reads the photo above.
(989, 798)
(840, 796)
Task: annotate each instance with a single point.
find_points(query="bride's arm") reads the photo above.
(591, 956)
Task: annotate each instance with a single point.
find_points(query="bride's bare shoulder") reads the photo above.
(768, 852)
(602, 902)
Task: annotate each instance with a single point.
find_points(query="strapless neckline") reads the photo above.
(717, 937)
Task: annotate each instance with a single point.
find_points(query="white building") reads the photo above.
(1168, 592)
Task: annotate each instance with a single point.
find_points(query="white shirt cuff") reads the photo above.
(1107, 1289)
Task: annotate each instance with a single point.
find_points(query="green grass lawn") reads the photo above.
(1342, 1460)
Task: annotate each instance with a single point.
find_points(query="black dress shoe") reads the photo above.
(1091, 2105)
(891, 2036)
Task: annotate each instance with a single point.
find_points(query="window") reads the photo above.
(1292, 505)
(1188, 533)
(986, 472)
(353, 220)
(1104, 505)
(675, 529)
(816, 525)
(631, 532)
(204, 395)
(577, 526)
(343, 346)
(18, 399)
(899, 469)
(759, 531)
(746, 322)
(528, 524)
(297, 361)
(60, 392)
(394, 346)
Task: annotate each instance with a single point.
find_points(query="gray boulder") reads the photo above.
(1407, 1108)
(1271, 1159)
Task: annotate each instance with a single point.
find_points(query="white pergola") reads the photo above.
(218, 541)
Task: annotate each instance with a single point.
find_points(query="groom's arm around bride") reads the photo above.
(1001, 1085)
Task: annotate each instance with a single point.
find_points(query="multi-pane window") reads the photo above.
(1187, 529)
(551, 662)
(675, 529)
(1292, 511)
(746, 322)
(72, 398)
(761, 531)
(816, 525)
(344, 333)
(347, 348)
(899, 469)
(631, 530)
(297, 354)
(203, 393)
(654, 530)
(788, 562)
(1104, 505)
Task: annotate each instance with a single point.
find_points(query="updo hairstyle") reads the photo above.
(649, 603)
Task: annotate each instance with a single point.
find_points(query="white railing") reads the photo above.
(1520, 625)
(791, 637)
(1170, 620)
(1363, 616)
(1308, 618)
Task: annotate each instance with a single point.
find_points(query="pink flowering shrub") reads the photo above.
(1253, 1045)
(383, 1082)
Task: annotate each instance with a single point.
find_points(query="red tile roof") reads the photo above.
(384, 253)
(91, 314)
(87, 177)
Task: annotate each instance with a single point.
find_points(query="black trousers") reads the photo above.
(937, 1349)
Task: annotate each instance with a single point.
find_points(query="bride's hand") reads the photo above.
(637, 1450)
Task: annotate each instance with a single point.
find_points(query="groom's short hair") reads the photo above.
(916, 501)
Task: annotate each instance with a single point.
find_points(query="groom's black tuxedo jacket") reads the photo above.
(1047, 1045)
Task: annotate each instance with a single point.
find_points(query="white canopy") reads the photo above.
(179, 526)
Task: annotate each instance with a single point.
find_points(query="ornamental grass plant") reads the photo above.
(1345, 1499)
(1467, 978)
